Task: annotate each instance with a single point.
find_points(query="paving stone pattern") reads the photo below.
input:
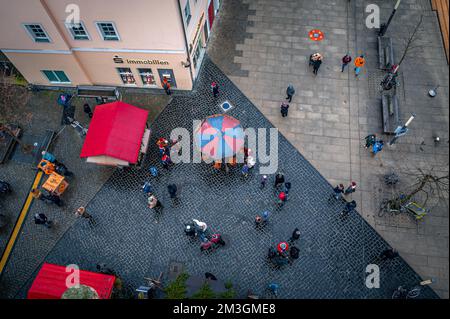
(136, 242)
(332, 112)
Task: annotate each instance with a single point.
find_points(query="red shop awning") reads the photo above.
(116, 130)
(50, 283)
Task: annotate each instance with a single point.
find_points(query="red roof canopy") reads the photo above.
(116, 130)
(50, 283)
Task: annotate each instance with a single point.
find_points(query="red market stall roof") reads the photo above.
(116, 130)
(50, 283)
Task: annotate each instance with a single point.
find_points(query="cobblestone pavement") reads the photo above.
(34, 241)
(137, 243)
(332, 112)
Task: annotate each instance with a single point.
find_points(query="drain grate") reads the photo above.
(226, 106)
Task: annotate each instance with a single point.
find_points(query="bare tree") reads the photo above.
(422, 186)
(411, 41)
(13, 98)
(389, 81)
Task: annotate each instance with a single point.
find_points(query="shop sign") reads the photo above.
(118, 59)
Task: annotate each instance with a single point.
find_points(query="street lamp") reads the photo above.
(402, 130)
(384, 27)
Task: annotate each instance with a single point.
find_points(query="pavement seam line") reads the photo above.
(19, 223)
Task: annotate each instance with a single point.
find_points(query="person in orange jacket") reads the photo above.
(359, 63)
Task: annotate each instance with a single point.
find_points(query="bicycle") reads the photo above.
(413, 293)
(396, 208)
(387, 207)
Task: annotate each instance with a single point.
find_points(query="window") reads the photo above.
(56, 76)
(78, 31)
(198, 50)
(126, 75)
(187, 13)
(108, 31)
(37, 33)
(147, 76)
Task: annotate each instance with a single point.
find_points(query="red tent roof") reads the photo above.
(50, 283)
(116, 130)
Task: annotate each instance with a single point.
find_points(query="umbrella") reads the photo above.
(220, 137)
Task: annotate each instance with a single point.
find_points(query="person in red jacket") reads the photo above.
(282, 197)
(166, 86)
(345, 61)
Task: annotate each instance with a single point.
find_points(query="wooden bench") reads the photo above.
(442, 7)
(385, 53)
(390, 109)
(7, 142)
(101, 92)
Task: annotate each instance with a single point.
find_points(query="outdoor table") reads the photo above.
(55, 184)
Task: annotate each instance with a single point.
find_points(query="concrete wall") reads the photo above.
(13, 34)
(141, 24)
(32, 64)
(148, 30)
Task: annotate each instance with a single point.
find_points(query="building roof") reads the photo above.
(116, 130)
(50, 282)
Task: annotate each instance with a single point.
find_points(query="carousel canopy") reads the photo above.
(50, 283)
(116, 131)
(220, 137)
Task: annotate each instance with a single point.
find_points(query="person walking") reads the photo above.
(172, 189)
(316, 65)
(287, 187)
(48, 157)
(61, 169)
(36, 194)
(215, 88)
(263, 181)
(290, 91)
(349, 207)
(350, 189)
(153, 202)
(284, 109)
(55, 199)
(295, 235)
(147, 188)
(279, 179)
(87, 109)
(345, 61)
(165, 160)
(41, 219)
(82, 213)
(359, 64)
(377, 147)
(245, 170)
(200, 229)
(282, 198)
(154, 171)
(370, 140)
(261, 220)
(338, 191)
(389, 253)
(294, 253)
(166, 86)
